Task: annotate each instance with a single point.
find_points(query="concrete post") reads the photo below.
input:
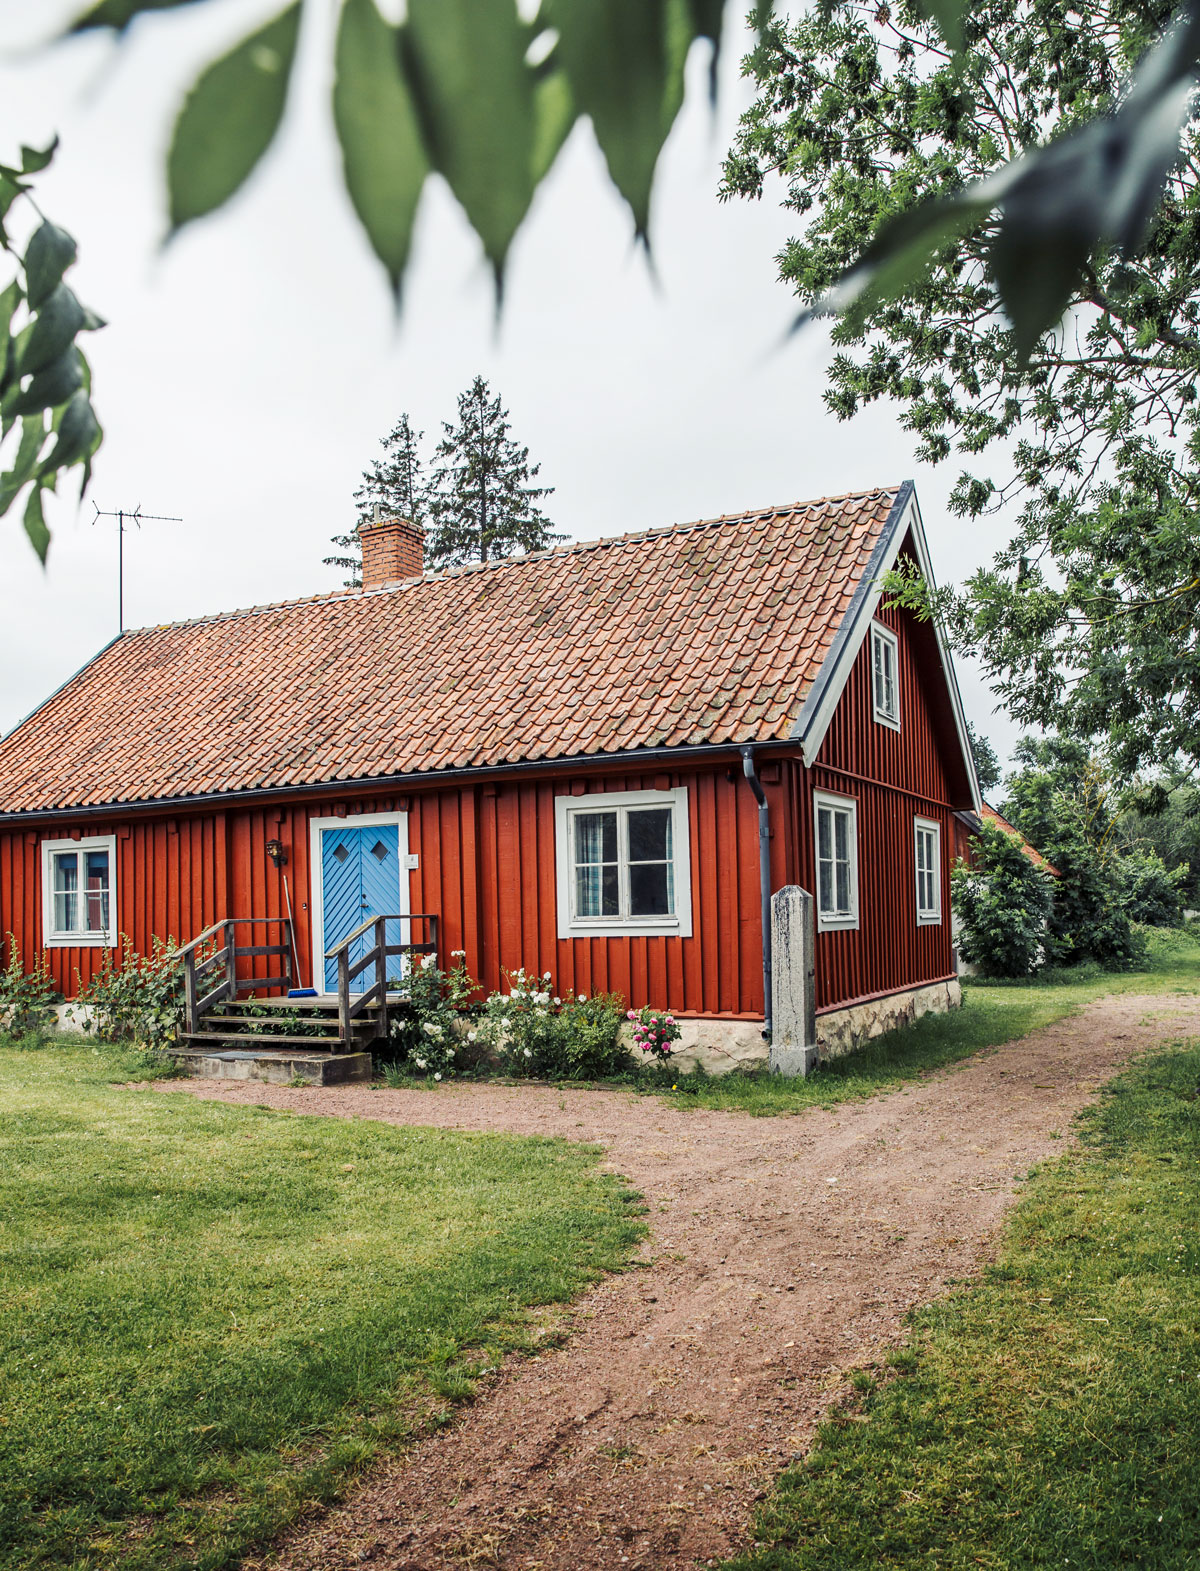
(793, 956)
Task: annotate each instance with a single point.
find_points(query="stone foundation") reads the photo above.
(842, 1030)
(721, 1045)
(717, 1045)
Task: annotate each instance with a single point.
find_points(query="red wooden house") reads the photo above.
(559, 756)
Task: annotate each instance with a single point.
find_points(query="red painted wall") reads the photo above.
(486, 868)
(895, 776)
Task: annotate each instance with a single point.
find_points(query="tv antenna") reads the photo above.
(123, 516)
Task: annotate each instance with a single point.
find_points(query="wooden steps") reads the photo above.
(263, 1025)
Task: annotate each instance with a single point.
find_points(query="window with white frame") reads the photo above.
(837, 860)
(929, 870)
(885, 688)
(79, 891)
(623, 864)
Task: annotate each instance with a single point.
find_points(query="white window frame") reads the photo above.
(928, 916)
(883, 638)
(571, 926)
(836, 921)
(52, 939)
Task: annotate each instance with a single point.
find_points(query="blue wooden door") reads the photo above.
(360, 878)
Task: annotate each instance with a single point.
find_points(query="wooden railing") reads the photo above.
(351, 1005)
(211, 978)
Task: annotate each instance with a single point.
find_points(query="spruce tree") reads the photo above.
(396, 481)
(482, 500)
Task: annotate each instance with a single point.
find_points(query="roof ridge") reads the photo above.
(331, 596)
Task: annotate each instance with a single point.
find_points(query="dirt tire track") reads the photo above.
(784, 1252)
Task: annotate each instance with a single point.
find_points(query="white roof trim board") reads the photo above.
(817, 713)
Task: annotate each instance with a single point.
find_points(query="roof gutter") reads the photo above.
(764, 877)
(198, 801)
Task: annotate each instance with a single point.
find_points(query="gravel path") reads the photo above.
(783, 1252)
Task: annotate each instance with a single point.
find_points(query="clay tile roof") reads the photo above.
(991, 816)
(709, 632)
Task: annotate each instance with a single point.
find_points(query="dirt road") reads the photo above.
(783, 1252)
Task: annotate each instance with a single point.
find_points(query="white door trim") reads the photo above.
(316, 867)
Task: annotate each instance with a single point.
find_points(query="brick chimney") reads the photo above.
(392, 549)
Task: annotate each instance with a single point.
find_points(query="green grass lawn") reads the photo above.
(1050, 1414)
(992, 1013)
(210, 1315)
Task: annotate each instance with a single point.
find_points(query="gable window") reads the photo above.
(885, 689)
(623, 864)
(837, 860)
(929, 870)
(79, 897)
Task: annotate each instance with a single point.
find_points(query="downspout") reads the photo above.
(764, 878)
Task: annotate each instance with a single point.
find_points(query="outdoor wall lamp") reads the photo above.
(277, 851)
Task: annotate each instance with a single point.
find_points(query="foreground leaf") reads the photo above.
(465, 61)
(35, 524)
(119, 13)
(33, 434)
(78, 432)
(230, 118)
(50, 387)
(382, 154)
(48, 255)
(624, 61)
(54, 329)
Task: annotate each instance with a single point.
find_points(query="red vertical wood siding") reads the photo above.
(895, 777)
(486, 867)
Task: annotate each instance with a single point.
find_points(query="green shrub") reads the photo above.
(536, 1034)
(139, 1000)
(590, 1036)
(1089, 920)
(429, 1009)
(1152, 892)
(1003, 905)
(27, 998)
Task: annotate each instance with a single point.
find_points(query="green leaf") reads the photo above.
(947, 17)
(382, 154)
(119, 13)
(898, 257)
(49, 253)
(707, 16)
(33, 435)
(52, 330)
(50, 387)
(10, 299)
(230, 118)
(554, 114)
(34, 161)
(625, 61)
(35, 525)
(466, 64)
(78, 435)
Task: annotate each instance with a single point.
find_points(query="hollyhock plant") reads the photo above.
(654, 1031)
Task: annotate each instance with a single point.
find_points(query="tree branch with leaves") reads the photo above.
(47, 424)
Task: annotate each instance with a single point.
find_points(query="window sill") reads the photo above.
(836, 924)
(79, 941)
(650, 928)
(930, 921)
(887, 720)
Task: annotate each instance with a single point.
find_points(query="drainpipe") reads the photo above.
(764, 878)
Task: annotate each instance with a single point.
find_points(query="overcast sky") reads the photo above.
(249, 370)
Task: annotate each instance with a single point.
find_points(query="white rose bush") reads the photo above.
(442, 1026)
